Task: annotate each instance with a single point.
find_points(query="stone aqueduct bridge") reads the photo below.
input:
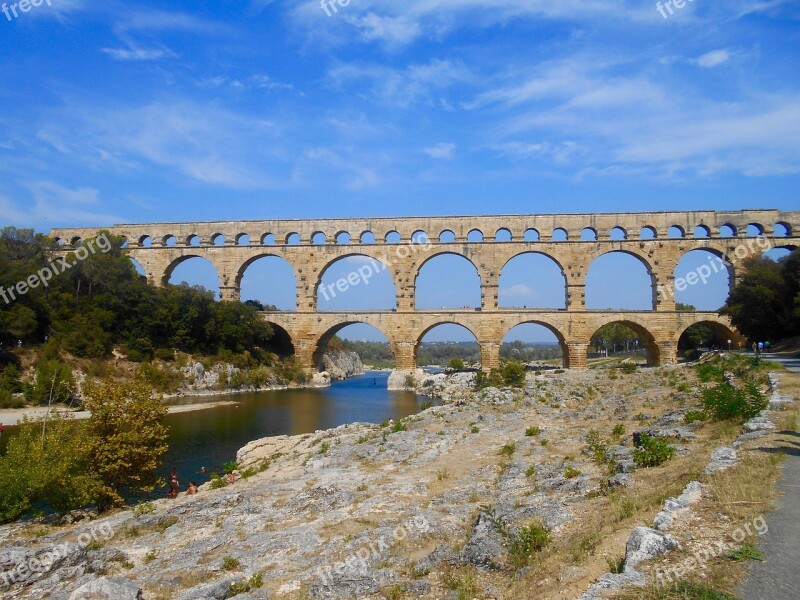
(312, 246)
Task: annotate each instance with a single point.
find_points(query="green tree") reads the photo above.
(766, 301)
(455, 363)
(46, 465)
(127, 438)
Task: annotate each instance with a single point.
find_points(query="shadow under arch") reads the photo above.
(322, 342)
(644, 262)
(722, 332)
(562, 342)
(433, 326)
(374, 266)
(281, 342)
(521, 256)
(643, 333)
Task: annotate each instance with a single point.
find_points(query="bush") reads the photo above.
(217, 482)
(230, 467)
(652, 451)
(628, 367)
(46, 466)
(508, 449)
(513, 373)
(8, 400)
(53, 382)
(724, 402)
(9, 379)
(571, 472)
(456, 364)
(532, 431)
(161, 378)
(693, 416)
(529, 539)
(484, 380)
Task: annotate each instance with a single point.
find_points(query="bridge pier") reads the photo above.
(490, 355)
(577, 355)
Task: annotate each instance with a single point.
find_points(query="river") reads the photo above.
(210, 437)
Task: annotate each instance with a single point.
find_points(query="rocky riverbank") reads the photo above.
(422, 508)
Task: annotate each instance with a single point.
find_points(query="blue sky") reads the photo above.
(141, 111)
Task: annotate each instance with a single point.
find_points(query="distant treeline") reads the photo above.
(441, 353)
(101, 302)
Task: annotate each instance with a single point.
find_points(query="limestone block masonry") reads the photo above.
(657, 239)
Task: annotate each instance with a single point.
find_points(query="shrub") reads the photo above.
(9, 379)
(693, 416)
(229, 563)
(53, 381)
(229, 467)
(513, 373)
(597, 448)
(456, 364)
(708, 372)
(652, 451)
(508, 449)
(571, 472)
(484, 380)
(618, 431)
(628, 367)
(162, 379)
(532, 431)
(324, 447)
(399, 426)
(8, 400)
(724, 402)
(474, 429)
(529, 539)
(217, 482)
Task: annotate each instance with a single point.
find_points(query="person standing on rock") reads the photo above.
(174, 484)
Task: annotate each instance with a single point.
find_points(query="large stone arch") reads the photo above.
(417, 266)
(421, 333)
(377, 265)
(282, 341)
(266, 254)
(720, 326)
(505, 260)
(562, 340)
(655, 356)
(321, 341)
(640, 255)
(176, 262)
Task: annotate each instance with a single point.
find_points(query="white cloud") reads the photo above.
(138, 54)
(712, 59)
(441, 150)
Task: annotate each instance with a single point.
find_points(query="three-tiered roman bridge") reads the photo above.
(404, 244)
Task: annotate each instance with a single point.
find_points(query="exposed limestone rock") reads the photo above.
(341, 365)
(109, 588)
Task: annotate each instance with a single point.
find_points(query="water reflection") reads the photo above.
(209, 438)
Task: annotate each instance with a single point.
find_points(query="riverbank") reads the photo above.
(13, 416)
(423, 507)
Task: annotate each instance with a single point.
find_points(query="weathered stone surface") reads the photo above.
(620, 480)
(645, 544)
(341, 365)
(760, 423)
(485, 546)
(108, 588)
(721, 459)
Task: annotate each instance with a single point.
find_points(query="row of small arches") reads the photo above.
(448, 236)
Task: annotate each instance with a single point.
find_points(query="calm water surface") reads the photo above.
(209, 438)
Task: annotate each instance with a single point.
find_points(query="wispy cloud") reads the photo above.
(441, 150)
(712, 59)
